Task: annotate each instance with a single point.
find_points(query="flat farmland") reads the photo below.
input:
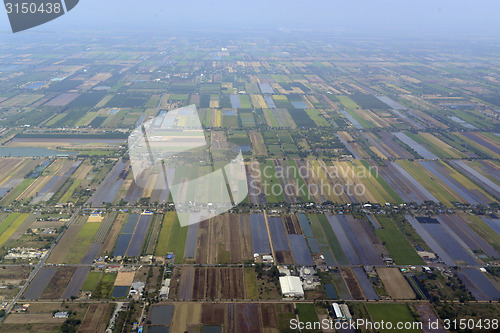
(259, 148)
(224, 239)
(9, 226)
(390, 312)
(218, 283)
(58, 283)
(352, 283)
(165, 232)
(205, 283)
(186, 316)
(213, 313)
(231, 283)
(185, 286)
(38, 284)
(81, 243)
(396, 243)
(96, 318)
(247, 318)
(113, 234)
(33, 318)
(60, 251)
(395, 283)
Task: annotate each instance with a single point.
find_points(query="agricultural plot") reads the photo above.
(260, 237)
(81, 243)
(419, 149)
(58, 283)
(126, 234)
(489, 145)
(360, 240)
(455, 225)
(405, 185)
(135, 247)
(391, 312)
(10, 225)
(308, 233)
(279, 240)
(396, 243)
(436, 187)
(75, 284)
(454, 246)
(95, 319)
(223, 239)
(38, 284)
(321, 238)
(365, 284)
(111, 185)
(395, 283)
(482, 180)
(480, 286)
(430, 241)
(435, 146)
(352, 283)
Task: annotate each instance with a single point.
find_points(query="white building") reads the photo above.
(291, 286)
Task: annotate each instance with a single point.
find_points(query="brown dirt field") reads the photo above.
(214, 244)
(352, 283)
(212, 283)
(185, 315)
(292, 224)
(240, 238)
(284, 257)
(394, 282)
(109, 243)
(213, 313)
(232, 285)
(14, 272)
(268, 315)
(142, 274)
(47, 224)
(246, 237)
(32, 318)
(202, 243)
(185, 289)
(95, 319)
(60, 250)
(200, 277)
(258, 145)
(428, 315)
(124, 278)
(58, 283)
(248, 318)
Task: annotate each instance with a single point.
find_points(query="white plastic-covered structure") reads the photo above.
(291, 286)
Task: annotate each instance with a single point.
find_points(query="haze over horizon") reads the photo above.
(445, 17)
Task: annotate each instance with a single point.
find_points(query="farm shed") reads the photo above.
(291, 286)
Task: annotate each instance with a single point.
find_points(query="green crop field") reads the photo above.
(16, 223)
(91, 281)
(251, 283)
(177, 241)
(347, 102)
(307, 312)
(105, 286)
(391, 312)
(165, 232)
(332, 241)
(81, 243)
(317, 117)
(396, 243)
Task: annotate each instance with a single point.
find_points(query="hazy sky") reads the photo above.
(357, 16)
